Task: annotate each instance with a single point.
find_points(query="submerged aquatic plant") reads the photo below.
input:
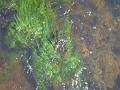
(53, 57)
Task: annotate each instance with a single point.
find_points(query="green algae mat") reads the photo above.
(38, 26)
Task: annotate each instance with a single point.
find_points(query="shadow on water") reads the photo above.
(114, 5)
(6, 16)
(116, 51)
(116, 47)
(94, 21)
(88, 4)
(117, 84)
(26, 61)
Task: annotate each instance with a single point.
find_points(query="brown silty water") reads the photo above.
(96, 31)
(11, 73)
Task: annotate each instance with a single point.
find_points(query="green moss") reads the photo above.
(34, 24)
(31, 22)
(4, 3)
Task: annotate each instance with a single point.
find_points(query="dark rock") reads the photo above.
(77, 18)
(7, 13)
(91, 85)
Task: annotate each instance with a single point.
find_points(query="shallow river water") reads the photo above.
(95, 31)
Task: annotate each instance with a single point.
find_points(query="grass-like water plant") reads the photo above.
(53, 57)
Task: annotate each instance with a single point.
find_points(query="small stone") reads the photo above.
(90, 52)
(82, 38)
(109, 29)
(94, 27)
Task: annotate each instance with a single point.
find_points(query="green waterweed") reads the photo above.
(34, 23)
